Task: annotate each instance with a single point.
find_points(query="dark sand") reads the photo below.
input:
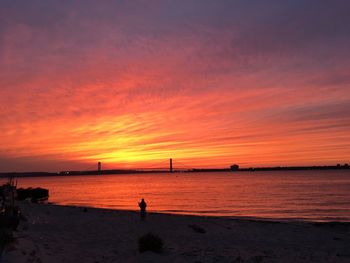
(68, 234)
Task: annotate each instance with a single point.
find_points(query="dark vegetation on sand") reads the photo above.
(150, 242)
(10, 214)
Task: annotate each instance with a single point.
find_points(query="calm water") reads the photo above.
(303, 195)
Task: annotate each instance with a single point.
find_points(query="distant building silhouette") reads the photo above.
(234, 167)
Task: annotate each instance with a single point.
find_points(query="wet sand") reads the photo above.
(53, 233)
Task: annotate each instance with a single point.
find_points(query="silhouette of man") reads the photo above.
(142, 206)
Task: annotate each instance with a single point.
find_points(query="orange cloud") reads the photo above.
(135, 90)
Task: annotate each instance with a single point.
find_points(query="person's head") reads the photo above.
(142, 200)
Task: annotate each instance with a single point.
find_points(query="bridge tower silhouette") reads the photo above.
(99, 167)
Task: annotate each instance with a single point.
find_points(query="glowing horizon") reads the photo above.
(207, 84)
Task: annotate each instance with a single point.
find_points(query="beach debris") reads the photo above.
(150, 242)
(197, 229)
(35, 194)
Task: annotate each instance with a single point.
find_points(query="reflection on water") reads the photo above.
(307, 195)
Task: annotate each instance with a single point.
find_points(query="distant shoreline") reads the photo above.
(195, 170)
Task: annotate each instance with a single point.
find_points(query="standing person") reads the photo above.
(142, 206)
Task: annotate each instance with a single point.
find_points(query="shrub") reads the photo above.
(150, 242)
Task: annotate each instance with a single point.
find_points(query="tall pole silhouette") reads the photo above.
(171, 165)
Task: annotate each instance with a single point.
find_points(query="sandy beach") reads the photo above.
(53, 233)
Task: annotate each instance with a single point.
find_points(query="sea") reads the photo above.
(322, 196)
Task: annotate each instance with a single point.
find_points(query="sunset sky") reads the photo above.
(207, 83)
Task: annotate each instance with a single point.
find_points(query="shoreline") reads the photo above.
(238, 218)
(235, 218)
(56, 233)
